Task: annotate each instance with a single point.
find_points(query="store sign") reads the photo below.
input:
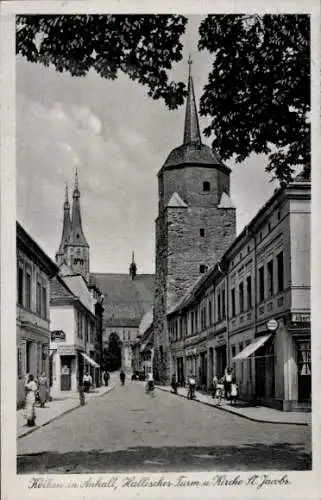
(191, 352)
(301, 318)
(58, 335)
(272, 325)
(66, 350)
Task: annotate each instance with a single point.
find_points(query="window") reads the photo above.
(233, 301)
(28, 290)
(38, 298)
(270, 278)
(260, 236)
(206, 186)
(241, 297)
(210, 312)
(19, 362)
(280, 266)
(248, 248)
(44, 302)
(86, 331)
(202, 268)
(223, 304)
(202, 232)
(249, 292)
(233, 351)
(28, 356)
(79, 324)
(219, 310)
(261, 284)
(269, 226)
(279, 215)
(20, 284)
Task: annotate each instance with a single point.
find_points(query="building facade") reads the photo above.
(195, 224)
(74, 333)
(34, 270)
(252, 309)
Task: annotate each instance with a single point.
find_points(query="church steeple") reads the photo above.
(133, 267)
(192, 133)
(66, 228)
(77, 236)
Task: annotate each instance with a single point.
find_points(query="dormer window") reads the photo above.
(206, 186)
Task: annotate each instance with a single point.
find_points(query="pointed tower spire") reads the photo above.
(60, 255)
(191, 130)
(133, 267)
(77, 236)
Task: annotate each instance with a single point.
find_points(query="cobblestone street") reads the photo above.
(130, 430)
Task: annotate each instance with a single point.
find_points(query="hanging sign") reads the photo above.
(272, 325)
(58, 335)
(66, 350)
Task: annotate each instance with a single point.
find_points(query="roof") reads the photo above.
(146, 321)
(126, 299)
(193, 153)
(77, 285)
(59, 289)
(176, 201)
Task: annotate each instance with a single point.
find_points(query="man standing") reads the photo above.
(122, 377)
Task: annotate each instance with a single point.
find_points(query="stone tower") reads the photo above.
(66, 227)
(74, 249)
(196, 223)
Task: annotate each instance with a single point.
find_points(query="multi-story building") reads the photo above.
(34, 270)
(252, 308)
(74, 332)
(195, 224)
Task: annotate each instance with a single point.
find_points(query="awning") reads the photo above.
(89, 360)
(251, 348)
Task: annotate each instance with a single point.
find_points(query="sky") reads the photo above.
(118, 139)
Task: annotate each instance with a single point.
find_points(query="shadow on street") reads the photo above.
(281, 456)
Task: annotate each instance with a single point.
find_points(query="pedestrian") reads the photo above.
(43, 389)
(30, 401)
(174, 383)
(227, 383)
(86, 382)
(214, 386)
(150, 383)
(106, 378)
(90, 381)
(191, 386)
(219, 390)
(122, 377)
(234, 391)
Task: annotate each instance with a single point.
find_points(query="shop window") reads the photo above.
(233, 302)
(206, 186)
(241, 296)
(249, 292)
(270, 278)
(202, 232)
(261, 284)
(280, 271)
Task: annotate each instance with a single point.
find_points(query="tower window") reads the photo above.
(206, 186)
(202, 232)
(202, 268)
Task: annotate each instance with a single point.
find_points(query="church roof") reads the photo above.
(66, 224)
(126, 299)
(77, 236)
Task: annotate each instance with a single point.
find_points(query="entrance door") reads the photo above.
(65, 376)
(304, 370)
(220, 361)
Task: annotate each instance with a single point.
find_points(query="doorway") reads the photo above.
(65, 375)
(304, 370)
(220, 361)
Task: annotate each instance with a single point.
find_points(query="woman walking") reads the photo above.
(43, 389)
(30, 401)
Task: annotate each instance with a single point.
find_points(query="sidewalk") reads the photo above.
(62, 403)
(243, 409)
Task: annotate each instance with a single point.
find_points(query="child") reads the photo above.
(234, 391)
(219, 390)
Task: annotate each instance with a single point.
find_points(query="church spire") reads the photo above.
(191, 130)
(65, 229)
(133, 267)
(77, 237)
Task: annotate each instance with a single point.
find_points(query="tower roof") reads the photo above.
(66, 228)
(77, 236)
(192, 151)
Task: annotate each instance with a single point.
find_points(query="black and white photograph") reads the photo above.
(162, 270)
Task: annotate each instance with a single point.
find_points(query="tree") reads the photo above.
(258, 91)
(112, 355)
(143, 47)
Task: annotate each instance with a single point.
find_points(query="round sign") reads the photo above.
(272, 324)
